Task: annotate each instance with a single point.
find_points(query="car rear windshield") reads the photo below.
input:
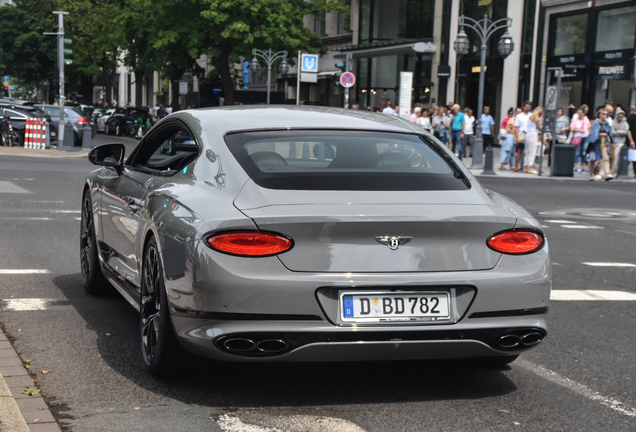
(345, 160)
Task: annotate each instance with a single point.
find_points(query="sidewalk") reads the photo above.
(545, 171)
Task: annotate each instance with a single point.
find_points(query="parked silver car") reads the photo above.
(258, 245)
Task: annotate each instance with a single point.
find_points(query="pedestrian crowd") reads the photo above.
(598, 141)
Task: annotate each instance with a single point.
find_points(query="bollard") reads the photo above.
(488, 162)
(87, 136)
(623, 163)
(69, 137)
(477, 151)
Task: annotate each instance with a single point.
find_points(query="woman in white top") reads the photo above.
(424, 120)
(532, 138)
(469, 134)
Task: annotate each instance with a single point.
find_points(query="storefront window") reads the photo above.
(528, 26)
(570, 35)
(617, 91)
(570, 96)
(616, 29)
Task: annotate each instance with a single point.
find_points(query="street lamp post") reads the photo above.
(484, 28)
(269, 58)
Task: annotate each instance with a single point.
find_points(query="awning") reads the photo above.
(380, 49)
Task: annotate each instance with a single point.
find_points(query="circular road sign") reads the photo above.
(347, 79)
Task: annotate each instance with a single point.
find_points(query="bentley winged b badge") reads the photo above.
(393, 242)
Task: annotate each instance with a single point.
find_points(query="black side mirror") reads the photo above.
(108, 155)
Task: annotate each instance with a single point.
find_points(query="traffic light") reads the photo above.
(343, 68)
(67, 51)
(6, 90)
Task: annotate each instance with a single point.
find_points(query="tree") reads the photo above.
(26, 53)
(97, 37)
(175, 36)
(238, 26)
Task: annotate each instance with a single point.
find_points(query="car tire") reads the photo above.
(493, 361)
(159, 345)
(94, 281)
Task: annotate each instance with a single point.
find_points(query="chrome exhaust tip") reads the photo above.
(239, 345)
(272, 345)
(531, 338)
(509, 341)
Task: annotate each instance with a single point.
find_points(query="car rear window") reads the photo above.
(345, 160)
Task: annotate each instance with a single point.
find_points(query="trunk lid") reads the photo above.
(336, 231)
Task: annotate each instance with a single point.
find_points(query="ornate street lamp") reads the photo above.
(484, 28)
(462, 44)
(506, 45)
(269, 58)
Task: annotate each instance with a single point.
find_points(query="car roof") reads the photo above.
(262, 117)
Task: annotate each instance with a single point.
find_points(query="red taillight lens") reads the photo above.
(82, 120)
(516, 242)
(249, 243)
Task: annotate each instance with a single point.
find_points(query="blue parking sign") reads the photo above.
(309, 63)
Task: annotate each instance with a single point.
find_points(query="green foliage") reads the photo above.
(25, 52)
(238, 26)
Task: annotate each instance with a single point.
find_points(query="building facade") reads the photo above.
(594, 43)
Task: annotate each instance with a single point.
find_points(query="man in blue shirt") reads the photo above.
(487, 127)
(457, 130)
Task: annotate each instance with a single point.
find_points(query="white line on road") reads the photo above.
(608, 264)
(577, 388)
(559, 221)
(626, 232)
(8, 187)
(582, 226)
(288, 423)
(591, 295)
(27, 218)
(65, 211)
(24, 271)
(23, 304)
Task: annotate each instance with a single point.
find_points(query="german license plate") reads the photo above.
(394, 307)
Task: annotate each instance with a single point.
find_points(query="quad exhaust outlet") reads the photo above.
(513, 340)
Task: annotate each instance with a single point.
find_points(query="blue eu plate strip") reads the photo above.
(347, 305)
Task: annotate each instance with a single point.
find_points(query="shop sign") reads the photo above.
(443, 71)
(572, 69)
(616, 71)
(406, 93)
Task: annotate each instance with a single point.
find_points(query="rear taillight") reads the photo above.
(82, 120)
(250, 243)
(516, 242)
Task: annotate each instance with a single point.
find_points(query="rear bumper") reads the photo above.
(321, 342)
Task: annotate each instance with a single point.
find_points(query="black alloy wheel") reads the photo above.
(159, 345)
(92, 276)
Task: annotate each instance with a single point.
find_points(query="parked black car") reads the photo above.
(73, 114)
(123, 121)
(17, 115)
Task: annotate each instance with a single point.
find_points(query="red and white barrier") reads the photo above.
(35, 134)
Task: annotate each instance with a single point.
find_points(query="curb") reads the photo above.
(50, 153)
(20, 412)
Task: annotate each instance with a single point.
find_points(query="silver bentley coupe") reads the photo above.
(294, 234)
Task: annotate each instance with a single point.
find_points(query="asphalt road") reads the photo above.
(581, 378)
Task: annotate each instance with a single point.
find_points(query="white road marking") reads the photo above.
(626, 232)
(577, 388)
(28, 218)
(23, 304)
(582, 226)
(591, 295)
(286, 423)
(65, 211)
(560, 221)
(24, 271)
(608, 264)
(8, 187)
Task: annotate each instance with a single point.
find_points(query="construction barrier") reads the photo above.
(35, 134)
